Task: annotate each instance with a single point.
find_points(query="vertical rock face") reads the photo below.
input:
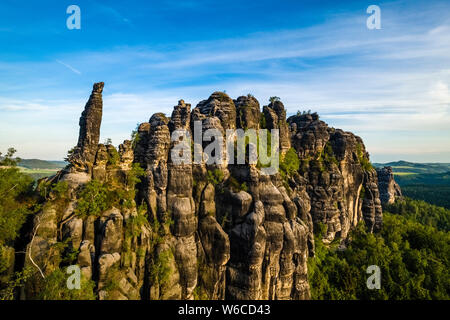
(247, 112)
(219, 105)
(342, 185)
(275, 118)
(204, 231)
(389, 189)
(90, 121)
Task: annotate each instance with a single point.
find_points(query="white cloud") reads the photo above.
(440, 93)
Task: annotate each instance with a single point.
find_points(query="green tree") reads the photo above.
(413, 258)
(16, 203)
(274, 99)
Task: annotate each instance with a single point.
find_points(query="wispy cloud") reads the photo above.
(109, 12)
(69, 67)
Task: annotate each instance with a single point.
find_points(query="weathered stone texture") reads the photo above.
(246, 236)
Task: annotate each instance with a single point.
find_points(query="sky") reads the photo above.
(390, 85)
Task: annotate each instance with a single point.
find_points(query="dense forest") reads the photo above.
(436, 194)
(422, 212)
(412, 251)
(17, 202)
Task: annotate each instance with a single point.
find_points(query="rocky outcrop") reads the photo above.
(342, 185)
(145, 227)
(389, 189)
(275, 118)
(247, 112)
(83, 155)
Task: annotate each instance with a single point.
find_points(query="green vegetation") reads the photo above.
(404, 173)
(290, 163)
(328, 155)
(16, 204)
(429, 182)
(37, 174)
(93, 199)
(54, 287)
(113, 157)
(97, 197)
(215, 176)
(160, 264)
(223, 97)
(262, 121)
(235, 185)
(112, 281)
(134, 224)
(430, 187)
(362, 194)
(160, 267)
(199, 293)
(33, 164)
(422, 212)
(415, 178)
(18, 280)
(69, 154)
(302, 113)
(38, 169)
(363, 160)
(438, 195)
(325, 160)
(414, 260)
(59, 190)
(135, 136)
(274, 99)
(421, 168)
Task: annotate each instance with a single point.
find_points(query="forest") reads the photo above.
(412, 251)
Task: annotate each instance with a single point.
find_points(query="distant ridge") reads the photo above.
(412, 167)
(41, 164)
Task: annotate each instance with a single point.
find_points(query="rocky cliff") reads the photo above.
(143, 227)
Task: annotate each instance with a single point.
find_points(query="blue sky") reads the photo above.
(389, 86)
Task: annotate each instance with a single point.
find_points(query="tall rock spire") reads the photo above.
(90, 121)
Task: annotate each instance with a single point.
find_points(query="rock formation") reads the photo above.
(90, 121)
(203, 231)
(389, 189)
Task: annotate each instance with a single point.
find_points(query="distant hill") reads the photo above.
(404, 167)
(41, 164)
(38, 169)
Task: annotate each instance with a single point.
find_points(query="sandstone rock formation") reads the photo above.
(90, 121)
(202, 231)
(389, 189)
